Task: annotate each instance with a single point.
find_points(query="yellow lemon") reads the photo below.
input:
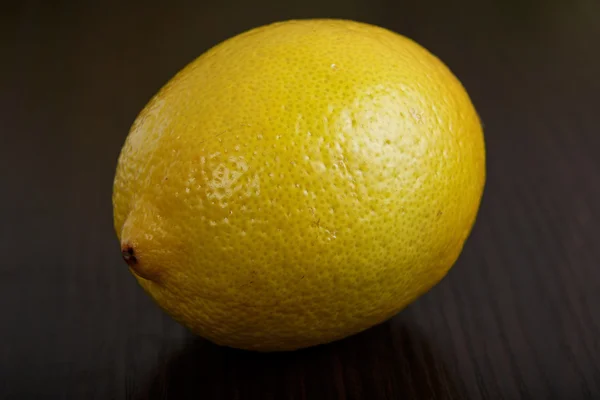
(299, 183)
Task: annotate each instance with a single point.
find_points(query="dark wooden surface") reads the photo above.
(517, 317)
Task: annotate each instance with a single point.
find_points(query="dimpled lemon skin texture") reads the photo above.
(299, 183)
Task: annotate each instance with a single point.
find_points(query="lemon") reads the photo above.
(299, 183)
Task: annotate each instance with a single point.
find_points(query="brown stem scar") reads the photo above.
(129, 255)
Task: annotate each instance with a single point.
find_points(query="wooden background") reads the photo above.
(517, 317)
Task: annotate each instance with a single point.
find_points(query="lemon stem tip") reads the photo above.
(129, 255)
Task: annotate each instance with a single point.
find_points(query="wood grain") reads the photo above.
(517, 317)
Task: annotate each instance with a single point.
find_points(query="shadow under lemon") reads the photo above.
(389, 361)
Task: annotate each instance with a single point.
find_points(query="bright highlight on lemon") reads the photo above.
(299, 183)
